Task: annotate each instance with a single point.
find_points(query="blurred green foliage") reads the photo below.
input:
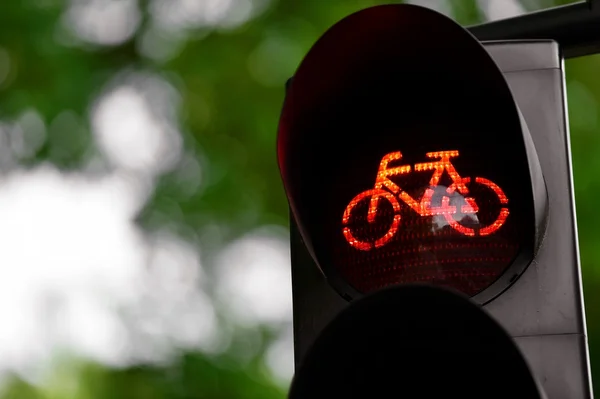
(231, 84)
(192, 376)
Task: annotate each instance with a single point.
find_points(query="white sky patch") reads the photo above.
(72, 262)
(254, 277)
(31, 134)
(500, 9)
(134, 123)
(103, 22)
(178, 15)
(280, 356)
(21, 138)
(187, 318)
(158, 46)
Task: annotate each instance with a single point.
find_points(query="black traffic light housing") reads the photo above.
(383, 346)
(401, 78)
(541, 310)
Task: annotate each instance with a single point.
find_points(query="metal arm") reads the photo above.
(576, 27)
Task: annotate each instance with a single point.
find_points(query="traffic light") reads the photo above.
(411, 153)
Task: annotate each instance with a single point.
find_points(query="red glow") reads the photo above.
(423, 207)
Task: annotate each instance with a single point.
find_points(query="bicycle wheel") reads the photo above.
(470, 207)
(376, 195)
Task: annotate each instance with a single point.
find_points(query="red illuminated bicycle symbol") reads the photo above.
(422, 207)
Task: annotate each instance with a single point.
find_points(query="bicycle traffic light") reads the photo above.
(411, 154)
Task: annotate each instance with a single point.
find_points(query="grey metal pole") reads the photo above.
(576, 28)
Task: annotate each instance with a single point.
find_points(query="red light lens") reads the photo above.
(426, 223)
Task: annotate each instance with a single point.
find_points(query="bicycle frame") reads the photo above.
(442, 162)
(422, 207)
